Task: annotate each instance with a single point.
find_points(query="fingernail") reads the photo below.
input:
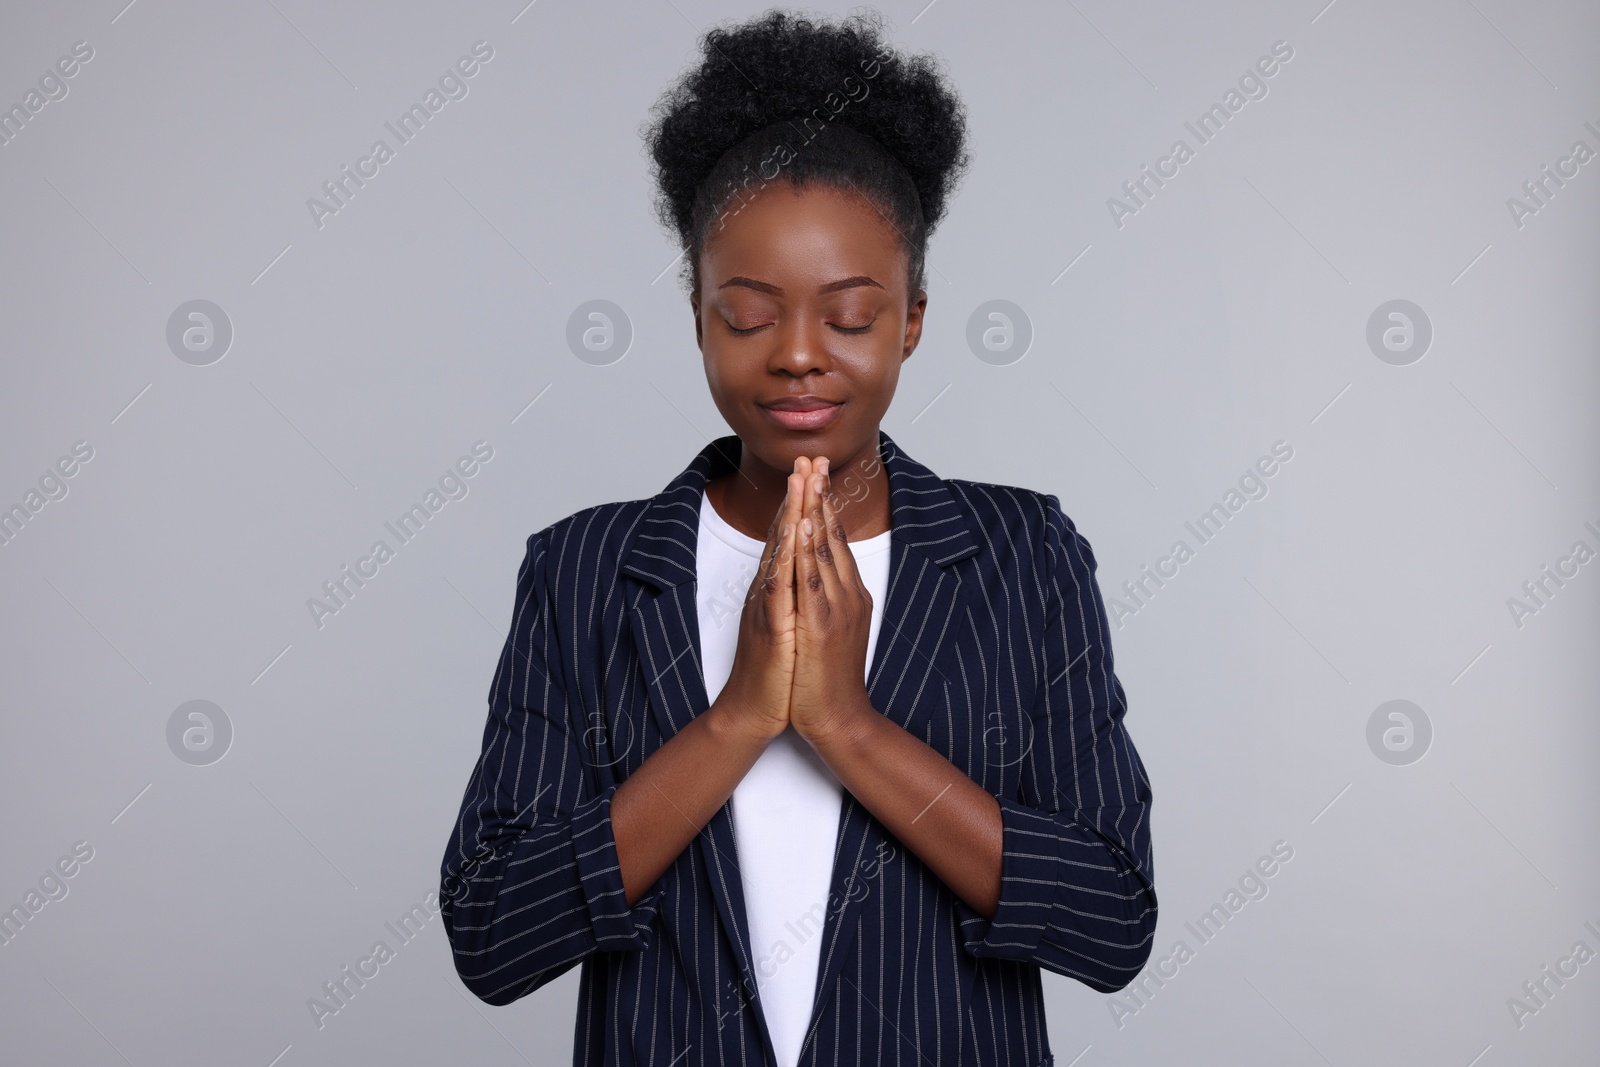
(805, 524)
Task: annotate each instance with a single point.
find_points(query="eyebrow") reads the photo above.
(832, 287)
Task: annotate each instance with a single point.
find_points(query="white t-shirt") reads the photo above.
(786, 809)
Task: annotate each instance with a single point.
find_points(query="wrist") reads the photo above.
(733, 725)
(844, 730)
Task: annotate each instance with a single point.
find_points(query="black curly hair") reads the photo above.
(811, 101)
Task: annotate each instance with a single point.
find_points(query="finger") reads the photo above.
(784, 565)
(809, 586)
(779, 569)
(769, 550)
(782, 600)
(777, 584)
(821, 538)
(772, 552)
(844, 559)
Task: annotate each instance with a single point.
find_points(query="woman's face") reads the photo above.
(804, 294)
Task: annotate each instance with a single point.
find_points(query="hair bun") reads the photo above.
(786, 68)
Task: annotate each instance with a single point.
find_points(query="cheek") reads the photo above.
(889, 379)
(729, 378)
(890, 353)
(873, 380)
(716, 378)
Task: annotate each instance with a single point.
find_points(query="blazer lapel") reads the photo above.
(666, 630)
(922, 615)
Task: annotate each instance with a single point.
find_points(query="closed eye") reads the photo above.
(842, 329)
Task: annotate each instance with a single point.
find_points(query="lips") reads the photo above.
(808, 412)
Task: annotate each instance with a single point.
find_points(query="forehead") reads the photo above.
(813, 232)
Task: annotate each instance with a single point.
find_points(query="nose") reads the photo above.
(802, 346)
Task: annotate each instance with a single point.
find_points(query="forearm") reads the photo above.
(662, 805)
(930, 805)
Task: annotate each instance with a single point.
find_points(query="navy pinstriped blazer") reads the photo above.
(993, 649)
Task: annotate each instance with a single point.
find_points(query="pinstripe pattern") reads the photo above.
(994, 650)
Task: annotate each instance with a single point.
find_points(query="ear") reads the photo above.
(699, 333)
(914, 316)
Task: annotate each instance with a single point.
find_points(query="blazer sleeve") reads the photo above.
(1077, 889)
(530, 883)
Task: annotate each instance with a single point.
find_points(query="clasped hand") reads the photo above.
(802, 656)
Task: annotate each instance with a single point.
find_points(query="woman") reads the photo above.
(762, 847)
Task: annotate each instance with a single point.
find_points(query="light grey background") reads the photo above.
(431, 312)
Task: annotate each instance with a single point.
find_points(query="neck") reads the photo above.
(748, 498)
